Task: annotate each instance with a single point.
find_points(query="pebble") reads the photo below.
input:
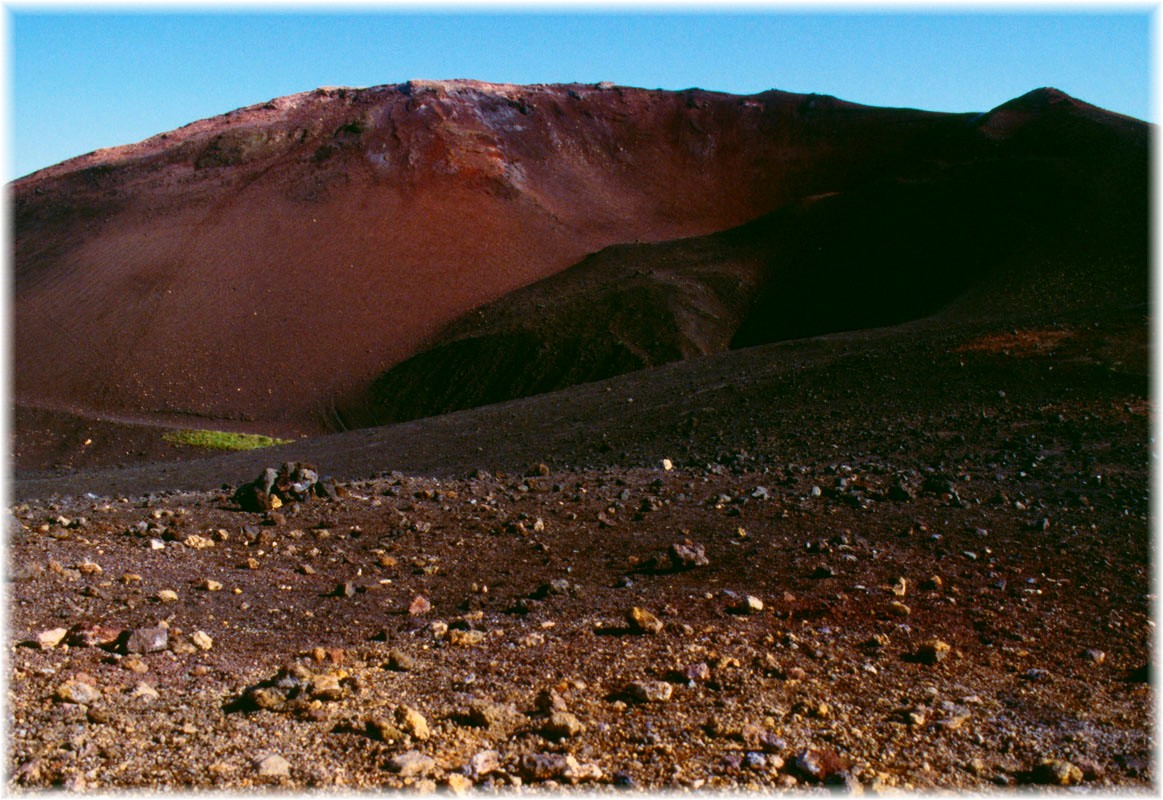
(899, 609)
(754, 760)
(562, 724)
(93, 635)
(649, 691)
(202, 640)
(642, 621)
(272, 765)
(266, 698)
(197, 542)
(143, 691)
(210, 586)
(495, 716)
(384, 730)
(549, 701)
(458, 784)
(685, 555)
(411, 764)
(818, 763)
(167, 596)
(1094, 656)
(419, 605)
(1056, 772)
(412, 722)
(482, 763)
(553, 766)
(750, 604)
(399, 661)
(933, 651)
(47, 640)
(74, 691)
(146, 640)
(326, 687)
(460, 638)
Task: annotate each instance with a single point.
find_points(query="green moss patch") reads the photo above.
(221, 440)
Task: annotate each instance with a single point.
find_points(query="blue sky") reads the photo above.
(92, 77)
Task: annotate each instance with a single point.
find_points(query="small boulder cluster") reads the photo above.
(291, 483)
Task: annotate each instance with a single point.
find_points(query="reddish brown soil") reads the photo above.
(999, 443)
(271, 262)
(1023, 488)
(262, 269)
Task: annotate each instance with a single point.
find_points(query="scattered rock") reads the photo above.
(642, 621)
(462, 638)
(266, 698)
(932, 651)
(484, 762)
(549, 701)
(326, 688)
(1094, 656)
(145, 640)
(143, 691)
(540, 767)
(458, 784)
(291, 483)
(399, 661)
(384, 730)
(898, 609)
(496, 717)
(1056, 772)
(649, 691)
(818, 764)
(47, 640)
(561, 725)
(412, 722)
(686, 555)
(749, 604)
(411, 764)
(74, 691)
(272, 765)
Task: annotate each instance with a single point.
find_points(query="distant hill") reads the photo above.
(1039, 206)
(348, 257)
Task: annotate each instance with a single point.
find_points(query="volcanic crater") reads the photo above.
(665, 440)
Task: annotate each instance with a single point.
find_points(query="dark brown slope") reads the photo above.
(264, 266)
(1040, 205)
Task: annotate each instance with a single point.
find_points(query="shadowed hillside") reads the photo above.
(274, 269)
(264, 265)
(1039, 206)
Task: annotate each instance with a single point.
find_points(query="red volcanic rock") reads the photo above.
(264, 265)
(262, 269)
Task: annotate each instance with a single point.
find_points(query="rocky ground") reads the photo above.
(918, 558)
(873, 624)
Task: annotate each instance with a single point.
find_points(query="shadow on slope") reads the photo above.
(1051, 218)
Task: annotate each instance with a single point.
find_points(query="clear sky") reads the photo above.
(84, 78)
